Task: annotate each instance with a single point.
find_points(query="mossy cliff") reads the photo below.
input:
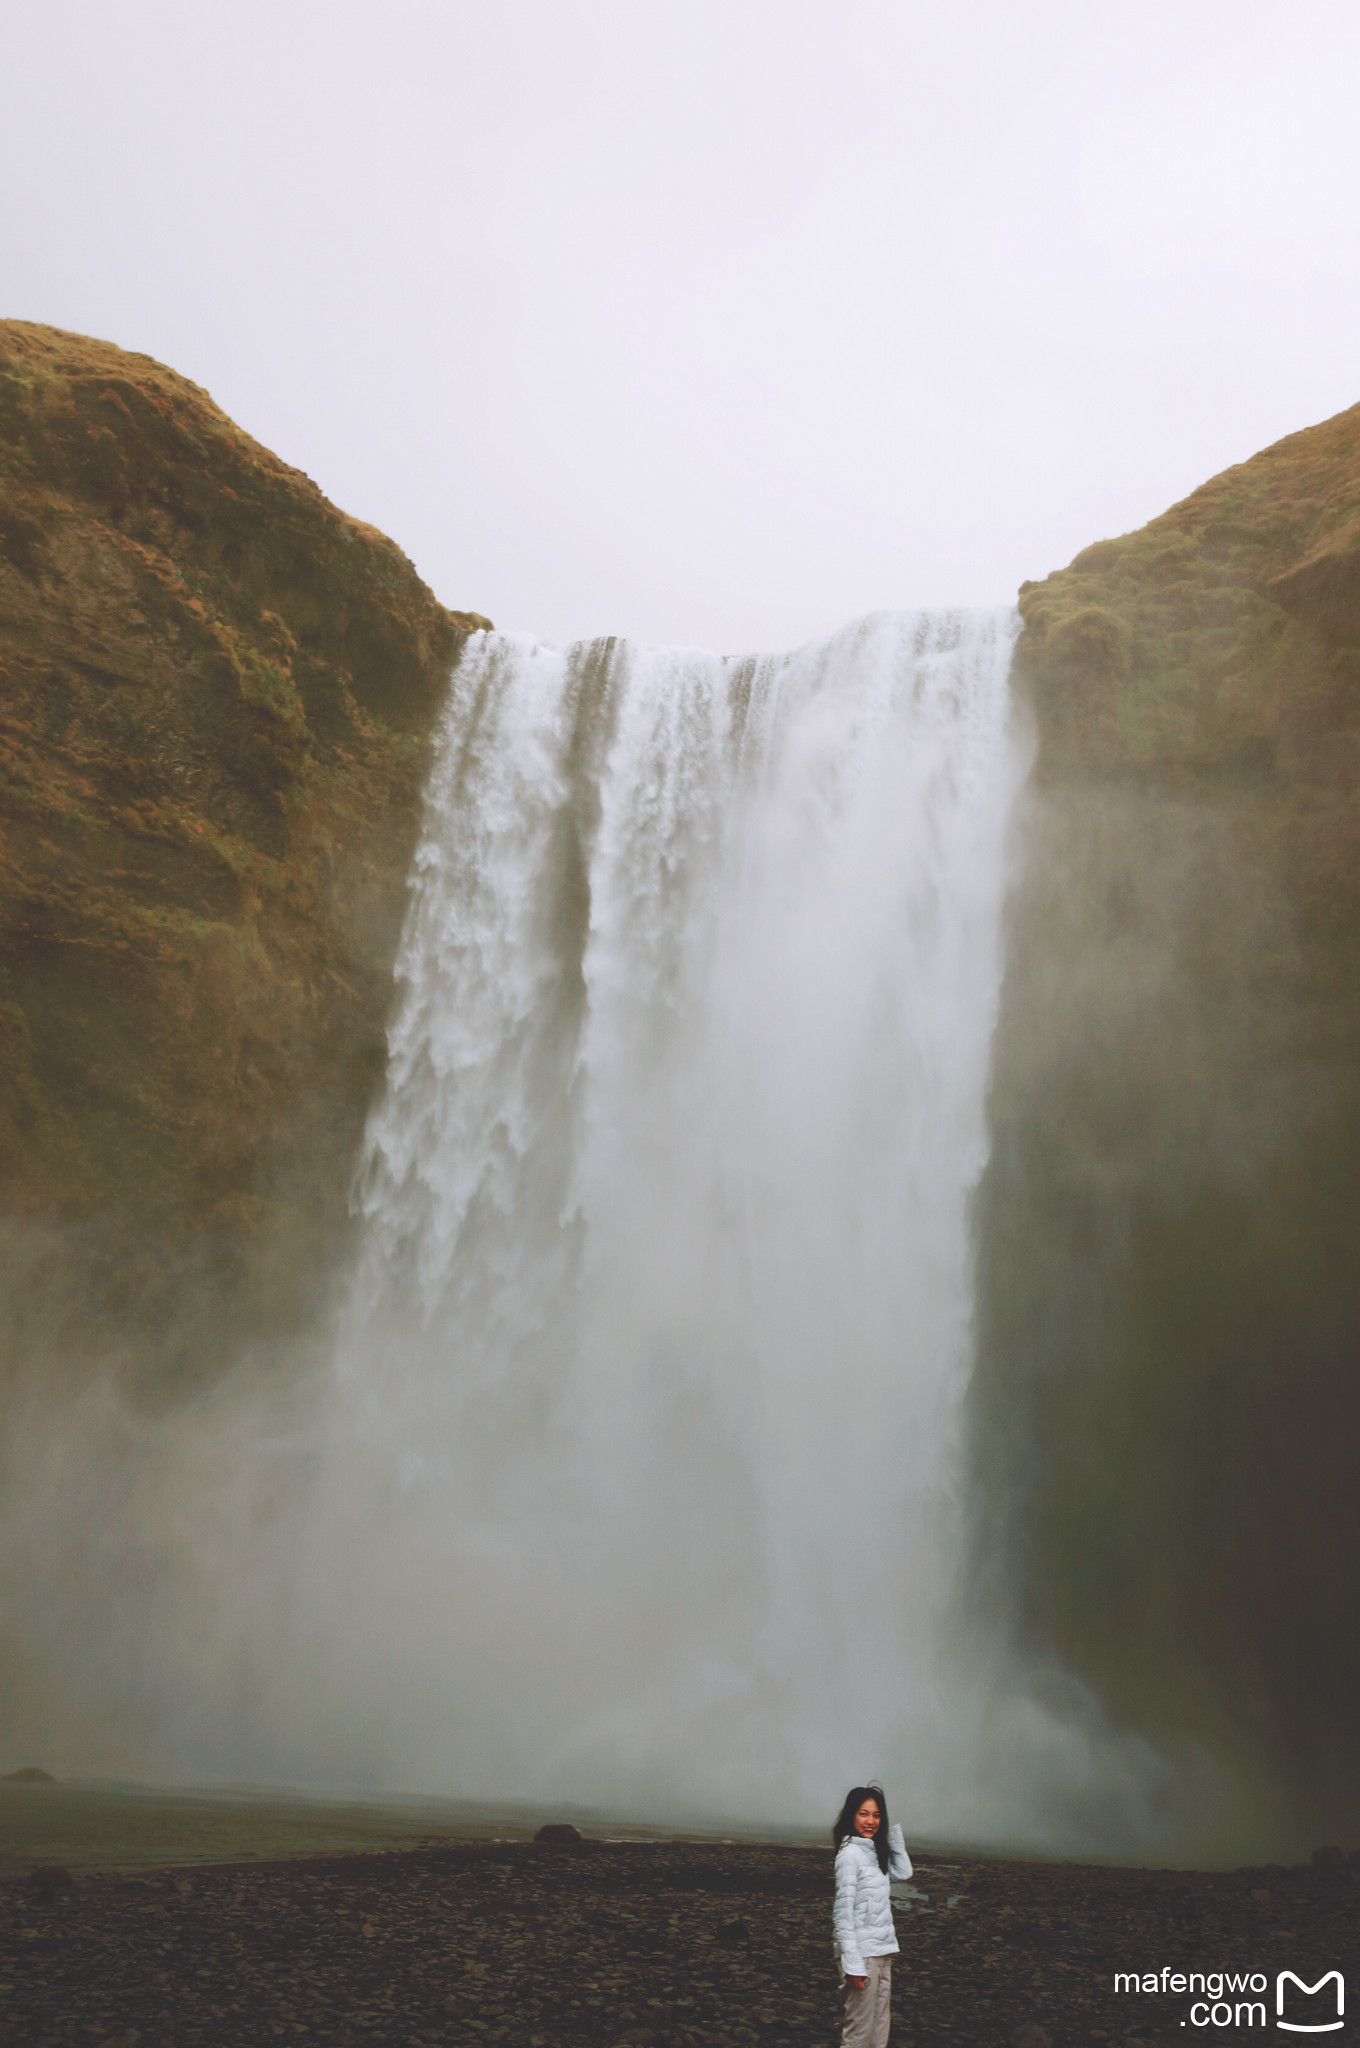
(216, 695)
(1167, 1403)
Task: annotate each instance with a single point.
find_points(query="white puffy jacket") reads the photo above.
(862, 1914)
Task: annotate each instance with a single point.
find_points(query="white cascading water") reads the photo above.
(630, 1475)
(651, 1377)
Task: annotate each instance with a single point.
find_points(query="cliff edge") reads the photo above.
(216, 696)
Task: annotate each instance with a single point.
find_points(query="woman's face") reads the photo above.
(867, 1818)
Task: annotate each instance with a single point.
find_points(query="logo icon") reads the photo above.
(1310, 1991)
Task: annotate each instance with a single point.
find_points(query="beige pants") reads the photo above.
(868, 2013)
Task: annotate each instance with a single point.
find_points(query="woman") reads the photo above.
(869, 1854)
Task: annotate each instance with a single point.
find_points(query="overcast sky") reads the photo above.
(716, 321)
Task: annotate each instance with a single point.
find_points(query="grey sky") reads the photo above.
(718, 321)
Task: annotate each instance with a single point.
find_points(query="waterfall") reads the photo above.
(643, 1460)
(627, 1469)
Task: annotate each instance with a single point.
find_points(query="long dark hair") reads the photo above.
(844, 1828)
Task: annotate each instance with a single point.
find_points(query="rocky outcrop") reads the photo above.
(216, 695)
(1166, 1416)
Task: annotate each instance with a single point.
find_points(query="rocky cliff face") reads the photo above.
(215, 697)
(216, 693)
(1167, 1404)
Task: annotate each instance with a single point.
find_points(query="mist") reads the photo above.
(626, 1469)
(636, 1454)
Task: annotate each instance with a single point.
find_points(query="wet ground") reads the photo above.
(673, 1944)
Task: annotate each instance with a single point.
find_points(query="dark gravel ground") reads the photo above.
(677, 1945)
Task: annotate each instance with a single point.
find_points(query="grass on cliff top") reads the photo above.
(1174, 643)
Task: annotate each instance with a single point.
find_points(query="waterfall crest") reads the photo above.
(651, 1374)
